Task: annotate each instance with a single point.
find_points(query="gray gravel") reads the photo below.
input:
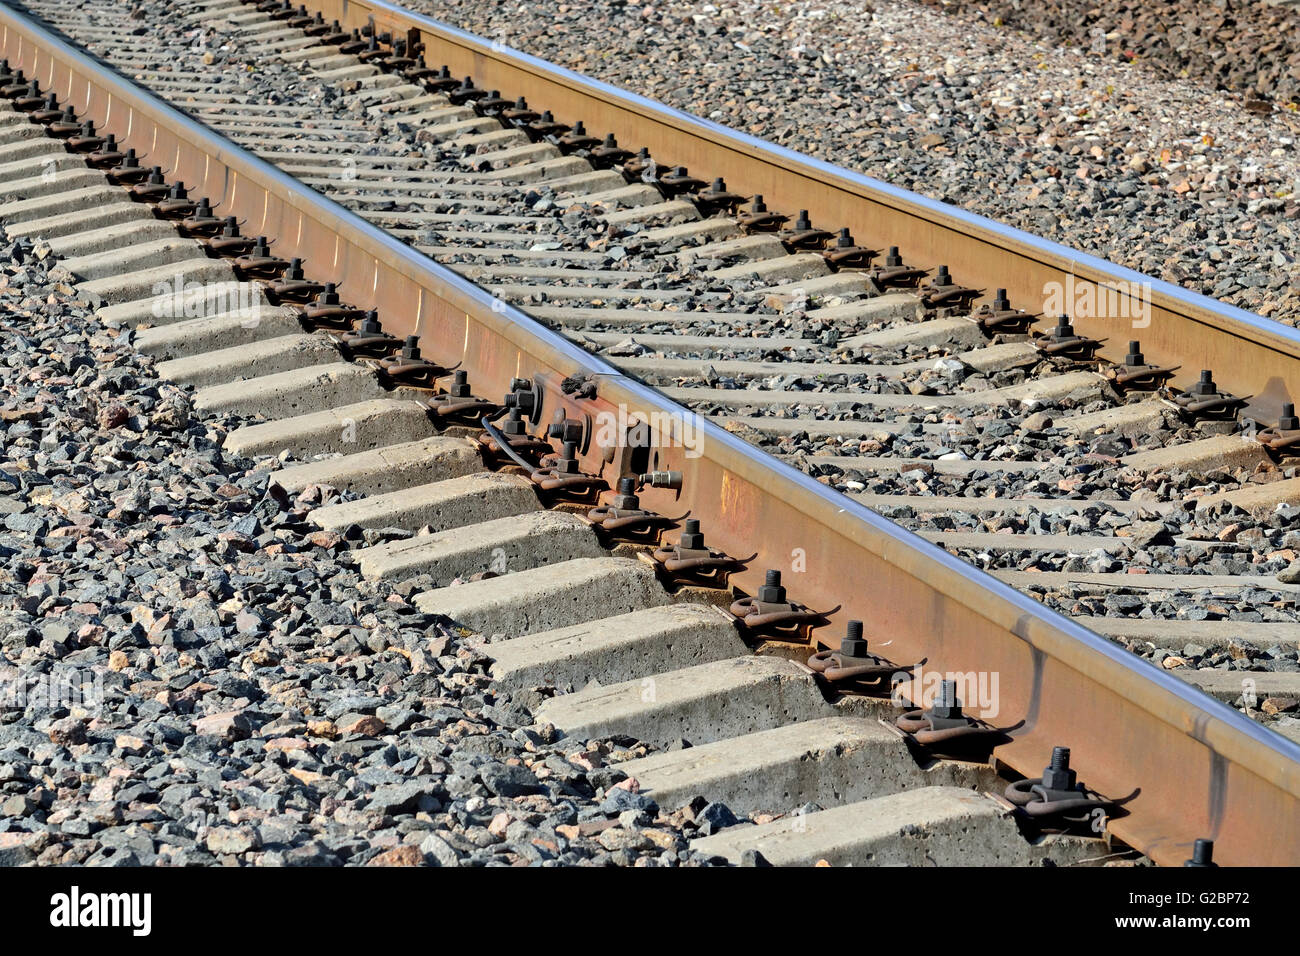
(191, 674)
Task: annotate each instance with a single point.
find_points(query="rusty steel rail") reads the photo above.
(1193, 767)
(1250, 356)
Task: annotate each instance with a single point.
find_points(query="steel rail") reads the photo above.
(1199, 769)
(1249, 355)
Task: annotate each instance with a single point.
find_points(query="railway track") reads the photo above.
(982, 427)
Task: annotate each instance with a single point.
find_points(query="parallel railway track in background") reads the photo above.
(853, 367)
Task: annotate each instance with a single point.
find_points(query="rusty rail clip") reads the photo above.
(1135, 373)
(854, 663)
(326, 311)
(152, 188)
(998, 316)
(201, 223)
(608, 153)
(545, 127)
(679, 180)
(802, 237)
(577, 139)
(63, 125)
(893, 274)
(407, 367)
(127, 172)
(944, 725)
(86, 140)
(717, 198)
(689, 561)
(50, 111)
(1057, 793)
(846, 254)
(560, 475)
(176, 205)
(942, 292)
(1285, 434)
(758, 218)
(230, 243)
(771, 611)
(108, 154)
(441, 81)
(514, 431)
(368, 339)
(1062, 342)
(1204, 400)
(293, 285)
(623, 519)
(520, 114)
(258, 263)
(458, 405)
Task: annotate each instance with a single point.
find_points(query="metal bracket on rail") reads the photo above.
(802, 236)
(942, 292)
(944, 728)
(459, 406)
(229, 244)
(202, 223)
(368, 340)
(514, 432)
(771, 612)
(894, 274)
(258, 263)
(409, 368)
(1285, 434)
(758, 218)
(560, 476)
(847, 254)
(623, 519)
(1204, 400)
(1063, 342)
(1136, 373)
(1057, 795)
(853, 666)
(999, 316)
(717, 198)
(690, 562)
(326, 311)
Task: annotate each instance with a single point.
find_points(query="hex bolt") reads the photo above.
(946, 703)
(942, 278)
(568, 461)
(853, 644)
(1058, 775)
(757, 205)
(370, 323)
(1288, 422)
(692, 539)
(892, 259)
(626, 499)
(411, 348)
(329, 296)
(802, 223)
(1000, 301)
(772, 592)
(1135, 356)
(1064, 329)
(845, 239)
(1202, 854)
(459, 384)
(514, 423)
(1205, 385)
